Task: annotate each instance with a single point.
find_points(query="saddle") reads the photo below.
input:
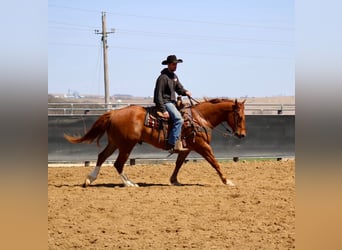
(154, 118)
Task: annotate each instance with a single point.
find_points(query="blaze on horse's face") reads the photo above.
(236, 119)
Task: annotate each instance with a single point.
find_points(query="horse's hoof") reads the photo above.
(131, 184)
(229, 183)
(176, 183)
(86, 183)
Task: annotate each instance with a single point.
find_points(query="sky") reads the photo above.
(230, 48)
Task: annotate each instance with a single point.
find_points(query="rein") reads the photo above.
(228, 131)
(191, 98)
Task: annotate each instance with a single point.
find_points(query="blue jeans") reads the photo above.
(177, 121)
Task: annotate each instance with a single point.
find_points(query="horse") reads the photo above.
(125, 128)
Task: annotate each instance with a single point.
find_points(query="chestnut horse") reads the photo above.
(125, 128)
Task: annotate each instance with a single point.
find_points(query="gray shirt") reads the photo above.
(167, 85)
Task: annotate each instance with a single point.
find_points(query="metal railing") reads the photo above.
(100, 108)
(270, 109)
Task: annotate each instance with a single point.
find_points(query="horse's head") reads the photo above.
(236, 119)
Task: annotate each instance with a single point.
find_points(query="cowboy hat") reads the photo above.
(171, 59)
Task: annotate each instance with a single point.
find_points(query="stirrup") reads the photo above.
(179, 147)
(173, 150)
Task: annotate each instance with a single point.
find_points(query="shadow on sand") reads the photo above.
(117, 185)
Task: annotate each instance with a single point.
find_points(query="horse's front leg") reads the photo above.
(179, 162)
(207, 152)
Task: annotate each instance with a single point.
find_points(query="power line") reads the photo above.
(142, 50)
(204, 22)
(176, 19)
(70, 28)
(73, 8)
(71, 44)
(200, 37)
(181, 36)
(72, 24)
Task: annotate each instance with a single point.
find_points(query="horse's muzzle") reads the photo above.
(240, 135)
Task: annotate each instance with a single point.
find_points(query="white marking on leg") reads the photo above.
(92, 176)
(126, 181)
(230, 183)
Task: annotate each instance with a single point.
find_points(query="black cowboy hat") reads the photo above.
(171, 59)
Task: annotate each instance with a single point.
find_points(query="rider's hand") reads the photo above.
(188, 93)
(166, 115)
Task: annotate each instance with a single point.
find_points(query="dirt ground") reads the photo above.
(202, 214)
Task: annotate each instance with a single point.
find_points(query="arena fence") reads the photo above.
(268, 136)
(68, 108)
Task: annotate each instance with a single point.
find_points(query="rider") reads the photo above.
(164, 98)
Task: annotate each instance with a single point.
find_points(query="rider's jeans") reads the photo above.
(177, 120)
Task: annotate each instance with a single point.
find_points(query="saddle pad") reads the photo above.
(151, 119)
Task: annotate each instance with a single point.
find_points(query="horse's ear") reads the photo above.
(243, 101)
(236, 102)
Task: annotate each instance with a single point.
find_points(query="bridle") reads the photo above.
(227, 130)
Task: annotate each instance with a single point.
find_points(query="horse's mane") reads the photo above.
(214, 100)
(217, 100)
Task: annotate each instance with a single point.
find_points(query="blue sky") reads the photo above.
(230, 48)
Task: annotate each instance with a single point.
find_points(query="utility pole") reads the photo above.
(105, 59)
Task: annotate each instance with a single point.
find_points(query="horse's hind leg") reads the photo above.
(110, 148)
(180, 160)
(119, 165)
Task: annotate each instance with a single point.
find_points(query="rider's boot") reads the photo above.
(178, 147)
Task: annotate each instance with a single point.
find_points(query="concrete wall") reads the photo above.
(267, 136)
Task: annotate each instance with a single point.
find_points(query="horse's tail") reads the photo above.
(96, 131)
